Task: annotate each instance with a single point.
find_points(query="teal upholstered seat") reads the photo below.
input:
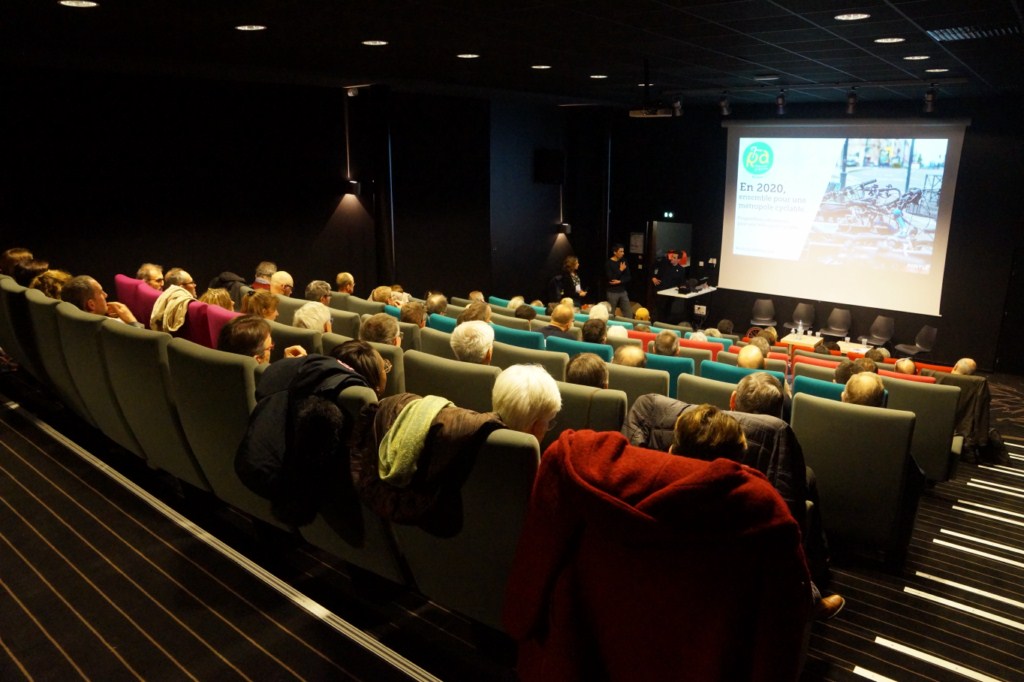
(518, 337)
(719, 371)
(574, 348)
(818, 387)
(674, 365)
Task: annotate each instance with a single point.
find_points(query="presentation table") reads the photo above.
(674, 292)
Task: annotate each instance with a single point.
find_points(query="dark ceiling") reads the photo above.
(695, 50)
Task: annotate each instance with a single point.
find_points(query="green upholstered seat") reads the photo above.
(586, 407)
(935, 407)
(637, 381)
(698, 390)
(465, 384)
(506, 355)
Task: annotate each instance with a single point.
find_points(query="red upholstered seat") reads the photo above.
(908, 377)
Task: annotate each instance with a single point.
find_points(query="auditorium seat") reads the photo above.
(838, 325)
(519, 323)
(345, 323)
(924, 342)
(80, 341)
(437, 343)
(442, 323)
(518, 337)
(286, 308)
(803, 317)
(636, 381)
(935, 406)
(140, 377)
(573, 348)
(806, 369)
(725, 343)
(881, 331)
(459, 301)
(126, 291)
(283, 336)
(216, 318)
(674, 365)
(362, 306)
(818, 387)
(505, 355)
(587, 407)
(763, 313)
(16, 336)
(197, 324)
(469, 571)
(465, 384)
(698, 390)
(715, 348)
(698, 355)
(719, 371)
(868, 483)
(500, 302)
(145, 300)
(907, 377)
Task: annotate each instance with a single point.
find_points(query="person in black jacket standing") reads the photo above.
(616, 271)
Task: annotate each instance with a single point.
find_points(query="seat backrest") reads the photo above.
(216, 318)
(728, 358)
(698, 390)
(636, 381)
(42, 312)
(345, 323)
(883, 327)
(437, 343)
(512, 322)
(819, 361)
(698, 355)
(453, 310)
(972, 410)
(719, 371)
(441, 323)
(139, 373)
(80, 340)
(145, 299)
(839, 321)
(286, 307)
(906, 377)
(803, 315)
(410, 335)
(801, 352)
(806, 369)
(645, 337)
(197, 324)
(465, 384)
(818, 387)
(725, 343)
(935, 407)
(586, 407)
(715, 348)
(215, 392)
(573, 348)
(866, 482)
(284, 336)
(763, 311)
(505, 355)
(674, 365)
(396, 377)
(472, 577)
(500, 302)
(538, 324)
(126, 291)
(925, 339)
(518, 337)
(339, 301)
(16, 336)
(362, 306)
(459, 301)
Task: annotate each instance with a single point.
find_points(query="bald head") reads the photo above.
(562, 316)
(906, 366)
(281, 283)
(864, 388)
(965, 366)
(750, 357)
(630, 356)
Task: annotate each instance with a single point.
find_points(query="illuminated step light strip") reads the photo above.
(972, 590)
(980, 613)
(978, 552)
(934, 660)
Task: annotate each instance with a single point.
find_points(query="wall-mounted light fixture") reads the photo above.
(780, 103)
(929, 100)
(851, 102)
(723, 104)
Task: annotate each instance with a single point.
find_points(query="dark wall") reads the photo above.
(679, 165)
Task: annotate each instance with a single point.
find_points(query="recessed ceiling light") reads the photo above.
(467, 55)
(852, 16)
(766, 77)
(251, 27)
(888, 41)
(916, 58)
(936, 70)
(645, 85)
(375, 43)
(79, 3)
(541, 67)
(598, 76)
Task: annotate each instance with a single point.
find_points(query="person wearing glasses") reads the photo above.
(152, 274)
(250, 335)
(282, 283)
(364, 361)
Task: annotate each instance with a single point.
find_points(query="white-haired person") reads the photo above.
(599, 311)
(527, 399)
(313, 315)
(473, 341)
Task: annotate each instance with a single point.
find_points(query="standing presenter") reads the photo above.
(617, 273)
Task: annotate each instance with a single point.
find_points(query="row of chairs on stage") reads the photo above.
(839, 324)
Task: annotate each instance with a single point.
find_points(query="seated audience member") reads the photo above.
(587, 369)
(345, 282)
(771, 335)
(264, 271)
(536, 303)
(313, 315)
(569, 302)
(843, 371)
(474, 311)
(50, 282)
(642, 314)
(515, 302)
(821, 348)
(599, 311)
(906, 366)
(261, 303)
(526, 312)
(666, 343)
(181, 278)
(832, 346)
(875, 355)
(152, 274)
(24, 271)
(477, 296)
(864, 388)
(526, 399)
(219, 297)
(751, 357)
(473, 341)
(617, 331)
(630, 356)
(366, 362)
(282, 283)
(641, 327)
(864, 365)
(12, 256)
(758, 393)
(383, 294)
(761, 344)
(561, 322)
(595, 331)
(415, 313)
(965, 366)
(725, 326)
(885, 353)
(399, 296)
(318, 290)
(381, 328)
(707, 433)
(437, 304)
(711, 332)
(699, 336)
(231, 282)
(250, 335)
(86, 294)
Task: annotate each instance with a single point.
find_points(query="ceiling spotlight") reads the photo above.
(889, 41)
(79, 3)
(780, 103)
(766, 77)
(936, 70)
(375, 43)
(251, 27)
(541, 67)
(916, 58)
(468, 55)
(929, 100)
(851, 102)
(852, 16)
(598, 76)
(352, 92)
(723, 104)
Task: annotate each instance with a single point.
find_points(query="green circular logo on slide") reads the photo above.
(758, 158)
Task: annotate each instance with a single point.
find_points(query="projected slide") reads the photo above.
(832, 201)
(855, 213)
